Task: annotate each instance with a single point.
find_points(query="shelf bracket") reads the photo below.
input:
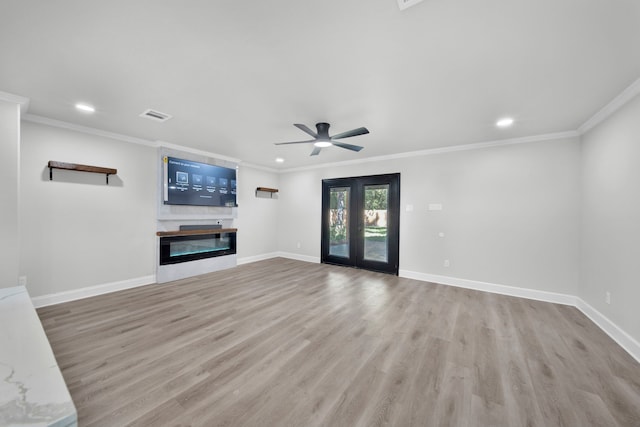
(51, 175)
(271, 191)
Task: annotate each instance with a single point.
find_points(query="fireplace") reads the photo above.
(190, 252)
(186, 247)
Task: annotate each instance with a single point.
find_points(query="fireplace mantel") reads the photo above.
(196, 232)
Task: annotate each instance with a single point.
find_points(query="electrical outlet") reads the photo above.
(607, 297)
(22, 281)
(447, 263)
(298, 245)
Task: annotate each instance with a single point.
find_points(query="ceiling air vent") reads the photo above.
(155, 115)
(404, 4)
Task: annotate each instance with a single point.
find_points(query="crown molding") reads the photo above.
(86, 129)
(16, 99)
(164, 144)
(259, 167)
(441, 150)
(616, 103)
(120, 137)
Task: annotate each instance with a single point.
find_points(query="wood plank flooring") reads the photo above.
(289, 343)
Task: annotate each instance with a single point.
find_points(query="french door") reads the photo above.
(361, 222)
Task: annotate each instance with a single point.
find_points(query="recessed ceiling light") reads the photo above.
(504, 122)
(85, 108)
(279, 160)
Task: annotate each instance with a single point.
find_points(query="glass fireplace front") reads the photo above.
(176, 249)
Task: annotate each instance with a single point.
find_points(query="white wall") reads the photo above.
(257, 220)
(76, 231)
(510, 213)
(9, 193)
(611, 218)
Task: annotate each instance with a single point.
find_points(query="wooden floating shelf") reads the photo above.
(196, 232)
(80, 168)
(267, 190)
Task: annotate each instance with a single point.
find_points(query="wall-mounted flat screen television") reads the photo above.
(198, 184)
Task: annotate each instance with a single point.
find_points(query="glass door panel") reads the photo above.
(360, 222)
(339, 222)
(376, 201)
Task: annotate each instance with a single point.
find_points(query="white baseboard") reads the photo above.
(91, 291)
(513, 291)
(625, 340)
(255, 258)
(299, 257)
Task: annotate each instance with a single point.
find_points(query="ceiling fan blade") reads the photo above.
(294, 142)
(304, 128)
(350, 133)
(347, 146)
(316, 151)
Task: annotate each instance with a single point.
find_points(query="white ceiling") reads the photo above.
(235, 75)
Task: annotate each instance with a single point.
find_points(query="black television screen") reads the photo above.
(199, 184)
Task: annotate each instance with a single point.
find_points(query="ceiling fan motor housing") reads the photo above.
(323, 131)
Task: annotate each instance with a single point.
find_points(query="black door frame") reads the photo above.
(356, 222)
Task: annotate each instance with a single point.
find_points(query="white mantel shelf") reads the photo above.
(32, 389)
(196, 232)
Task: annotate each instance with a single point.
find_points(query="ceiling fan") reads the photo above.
(322, 139)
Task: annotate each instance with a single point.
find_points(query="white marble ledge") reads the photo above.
(32, 390)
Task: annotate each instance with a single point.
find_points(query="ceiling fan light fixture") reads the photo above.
(323, 144)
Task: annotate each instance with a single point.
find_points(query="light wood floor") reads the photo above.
(288, 343)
